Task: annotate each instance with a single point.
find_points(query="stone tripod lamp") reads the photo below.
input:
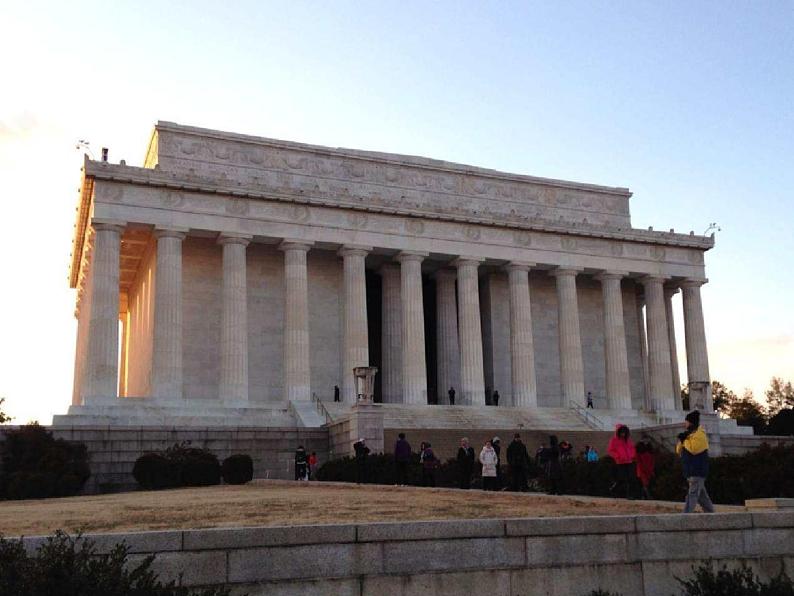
(365, 382)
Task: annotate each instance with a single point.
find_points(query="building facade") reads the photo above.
(240, 273)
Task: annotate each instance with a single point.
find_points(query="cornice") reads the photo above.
(395, 159)
(81, 223)
(172, 181)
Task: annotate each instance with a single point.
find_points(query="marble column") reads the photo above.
(100, 373)
(644, 353)
(522, 350)
(447, 343)
(167, 374)
(659, 366)
(234, 320)
(697, 357)
(391, 335)
(297, 362)
(413, 328)
(616, 358)
(669, 292)
(124, 319)
(472, 376)
(571, 365)
(355, 346)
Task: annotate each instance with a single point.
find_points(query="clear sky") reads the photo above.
(689, 104)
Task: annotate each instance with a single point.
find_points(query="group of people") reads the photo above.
(305, 464)
(494, 400)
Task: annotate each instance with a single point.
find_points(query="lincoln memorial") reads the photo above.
(235, 279)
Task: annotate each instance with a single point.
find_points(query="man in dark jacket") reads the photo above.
(301, 464)
(465, 463)
(361, 451)
(496, 443)
(518, 459)
(336, 393)
(693, 447)
(451, 394)
(402, 457)
(495, 398)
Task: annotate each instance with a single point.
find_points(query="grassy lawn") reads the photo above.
(275, 502)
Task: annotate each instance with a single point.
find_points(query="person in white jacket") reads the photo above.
(488, 460)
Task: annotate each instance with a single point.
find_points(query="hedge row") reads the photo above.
(766, 472)
(182, 465)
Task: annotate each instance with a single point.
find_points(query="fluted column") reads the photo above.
(643, 352)
(615, 356)
(297, 369)
(167, 375)
(522, 350)
(472, 376)
(124, 319)
(391, 335)
(571, 365)
(234, 320)
(100, 373)
(669, 292)
(355, 348)
(697, 357)
(413, 328)
(447, 344)
(659, 368)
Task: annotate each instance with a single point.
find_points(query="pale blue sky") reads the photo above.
(691, 105)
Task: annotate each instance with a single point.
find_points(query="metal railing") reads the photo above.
(321, 409)
(589, 418)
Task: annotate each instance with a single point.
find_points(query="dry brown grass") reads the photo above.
(274, 502)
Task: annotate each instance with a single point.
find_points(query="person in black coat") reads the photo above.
(518, 459)
(361, 452)
(336, 393)
(301, 464)
(451, 394)
(495, 398)
(496, 443)
(553, 469)
(465, 463)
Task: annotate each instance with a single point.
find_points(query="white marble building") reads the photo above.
(232, 276)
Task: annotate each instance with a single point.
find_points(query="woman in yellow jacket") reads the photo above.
(693, 447)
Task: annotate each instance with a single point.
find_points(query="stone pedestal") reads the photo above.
(366, 422)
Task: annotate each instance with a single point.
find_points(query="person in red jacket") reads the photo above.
(645, 466)
(621, 450)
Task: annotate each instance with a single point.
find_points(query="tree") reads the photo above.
(779, 395)
(782, 423)
(3, 417)
(722, 397)
(748, 412)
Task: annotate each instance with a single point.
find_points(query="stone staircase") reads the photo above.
(481, 417)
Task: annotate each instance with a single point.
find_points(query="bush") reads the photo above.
(72, 566)
(180, 465)
(738, 582)
(37, 465)
(237, 469)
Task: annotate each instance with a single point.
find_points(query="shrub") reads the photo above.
(237, 469)
(737, 582)
(37, 465)
(180, 465)
(71, 565)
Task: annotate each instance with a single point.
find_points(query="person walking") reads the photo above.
(312, 464)
(551, 465)
(645, 467)
(518, 460)
(402, 458)
(693, 447)
(465, 463)
(429, 463)
(495, 398)
(336, 393)
(621, 450)
(451, 394)
(488, 459)
(361, 452)
(301, 464)
(590, 399)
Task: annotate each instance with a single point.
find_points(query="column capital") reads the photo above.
(170, 232)
(609, 274)
(407, 256)
(654, 278)
(354, 250)
(693, 283)
(107, 225)
(467, 261)
(565, 271)
(288, 244)
(446, 273)
(520, 266)
(670, 291)
(231, 238)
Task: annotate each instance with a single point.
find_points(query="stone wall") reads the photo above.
(113, 451)
(635, 556)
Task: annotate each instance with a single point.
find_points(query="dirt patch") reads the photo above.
(274, 502)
